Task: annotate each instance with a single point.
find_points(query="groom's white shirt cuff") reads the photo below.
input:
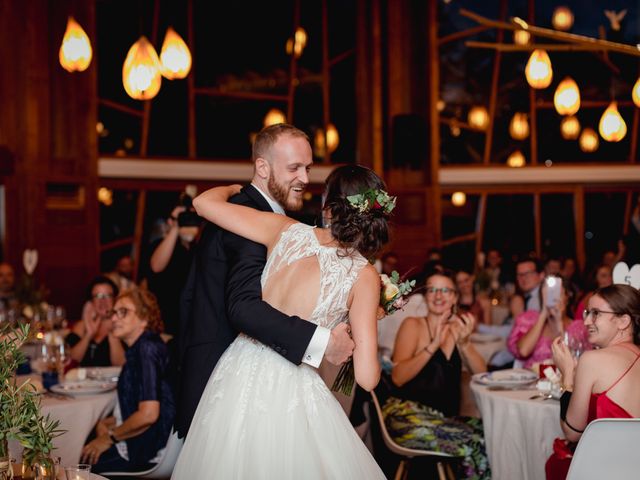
(317, 346)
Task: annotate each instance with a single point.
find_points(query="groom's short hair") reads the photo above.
(270, 135)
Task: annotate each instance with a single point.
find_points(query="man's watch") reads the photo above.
(112, 436)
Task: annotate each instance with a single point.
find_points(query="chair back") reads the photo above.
(161, 470)
(607, 449)
(164, 467)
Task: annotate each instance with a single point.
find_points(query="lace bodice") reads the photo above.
(338, 271)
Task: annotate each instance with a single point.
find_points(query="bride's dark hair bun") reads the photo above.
(364, 230)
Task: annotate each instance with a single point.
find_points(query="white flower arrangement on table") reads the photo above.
(392, 298)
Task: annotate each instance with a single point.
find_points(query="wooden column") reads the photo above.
(578, 216)
(433, 179)
(49, 126)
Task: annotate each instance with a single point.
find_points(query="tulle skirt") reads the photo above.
(261, 417)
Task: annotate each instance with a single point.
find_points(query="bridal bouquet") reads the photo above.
(392, 299)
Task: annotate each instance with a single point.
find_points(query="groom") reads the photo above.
(223, 295)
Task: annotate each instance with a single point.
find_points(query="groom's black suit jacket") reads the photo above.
(222, 297)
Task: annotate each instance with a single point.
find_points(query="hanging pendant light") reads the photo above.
(478, 117)
(521, 37)
(516, 159)
(273, 117)
(612, 126)
(322, 142)
(458, 199)
(141, 71)
(538, 70)
(562, 18)
(75, 52)
(333, 139)
(570, 127)
(174, 56)
(297, 43)
(589, 140)
(635, 93)
(519, 126)
(567, 97)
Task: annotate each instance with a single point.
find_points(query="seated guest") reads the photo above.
(427, 370)
(7, 287)
(600, 277)
(122, 273)
(479, 305)
(604, 383)
(91, 341)
(533, 331)
(139, 428)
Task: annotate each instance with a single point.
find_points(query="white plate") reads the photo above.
(513, 377)
(87, 387)
(477, 337)
(104, 373)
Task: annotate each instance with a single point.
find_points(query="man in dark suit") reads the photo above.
(223, 295)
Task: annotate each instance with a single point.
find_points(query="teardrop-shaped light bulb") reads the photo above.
(175, 56)
(141, 71)
(75, 52)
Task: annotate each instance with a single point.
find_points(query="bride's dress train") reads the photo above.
(260, 416)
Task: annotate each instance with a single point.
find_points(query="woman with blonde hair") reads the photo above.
(130, 439)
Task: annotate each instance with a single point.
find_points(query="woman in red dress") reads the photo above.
(606, 381)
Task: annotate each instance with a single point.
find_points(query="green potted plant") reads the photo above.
(36, 435)
(20, 416)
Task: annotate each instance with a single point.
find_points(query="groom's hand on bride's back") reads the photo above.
(340, 346)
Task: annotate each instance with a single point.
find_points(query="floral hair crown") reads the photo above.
(372, 199)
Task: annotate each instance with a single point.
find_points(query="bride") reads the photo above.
(260, 416)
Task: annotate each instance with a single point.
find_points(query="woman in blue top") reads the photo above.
(131, 439)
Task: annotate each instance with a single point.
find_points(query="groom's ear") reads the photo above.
(263, 168)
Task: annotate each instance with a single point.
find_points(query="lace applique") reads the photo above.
(338, 272)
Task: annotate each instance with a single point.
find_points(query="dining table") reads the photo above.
(519, 430)
(77, 414)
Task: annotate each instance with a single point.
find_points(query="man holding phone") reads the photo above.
(529, 275)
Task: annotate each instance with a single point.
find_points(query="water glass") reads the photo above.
(81, 471)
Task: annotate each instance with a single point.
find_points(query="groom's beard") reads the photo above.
(285, 195)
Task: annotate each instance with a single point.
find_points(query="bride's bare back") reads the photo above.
(305, 278)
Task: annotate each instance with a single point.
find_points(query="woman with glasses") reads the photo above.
(427, 368)
(91, 340)
(605, 382)
(533, 331)
(131, 439)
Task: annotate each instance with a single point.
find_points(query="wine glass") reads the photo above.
(576, 344)
(60, 319)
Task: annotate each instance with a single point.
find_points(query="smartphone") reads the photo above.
(554, 286)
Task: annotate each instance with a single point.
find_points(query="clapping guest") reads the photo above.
(427, 369)
(141, 423)
(604, 383)
(91, 339)
(533, 331)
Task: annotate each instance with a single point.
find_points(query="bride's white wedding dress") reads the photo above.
(262, 417)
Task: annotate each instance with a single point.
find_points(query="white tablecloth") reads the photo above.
(519, 432)
(78, 416)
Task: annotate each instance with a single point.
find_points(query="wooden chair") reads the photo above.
(443, 460)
